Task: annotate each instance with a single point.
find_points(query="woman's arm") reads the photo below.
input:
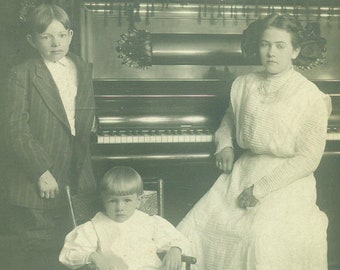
(310, 146)
(224, 146)
(224, 134)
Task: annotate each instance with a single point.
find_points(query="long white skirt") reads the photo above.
(284, 231)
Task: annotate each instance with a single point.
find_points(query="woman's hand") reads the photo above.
(172, 260)
(247, 198)
(100, 262)
(225, 159)
(48, 186)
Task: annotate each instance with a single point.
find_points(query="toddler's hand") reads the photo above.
(103, 263)
(172, 260)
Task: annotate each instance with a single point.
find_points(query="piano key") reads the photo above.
(333, 136)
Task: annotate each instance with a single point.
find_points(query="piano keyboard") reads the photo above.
(170, 136)
(155, 136)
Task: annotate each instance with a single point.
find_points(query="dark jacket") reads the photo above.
(37, 134)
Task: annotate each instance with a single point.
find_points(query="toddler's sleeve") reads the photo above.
(78, 246)
(166, 236)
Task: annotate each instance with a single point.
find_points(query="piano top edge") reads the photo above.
(186, 80)
(155, 80)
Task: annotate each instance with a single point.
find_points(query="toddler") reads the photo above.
(122, 237)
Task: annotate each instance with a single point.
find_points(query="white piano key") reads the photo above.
(181, 138)
(147, 138)
(123, 139)
(158, 139)
(129, 139)
(209, 138)
(140, 139)
(199, 138)
(100, 139)
(333, 136)
(106, 139)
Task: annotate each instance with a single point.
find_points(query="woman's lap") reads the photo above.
(284, 226)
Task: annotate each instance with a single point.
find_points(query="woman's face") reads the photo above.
(276, 50)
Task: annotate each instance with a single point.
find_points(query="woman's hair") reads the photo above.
(285, 22)
(308, 38)
(120, 181)
(42, 16)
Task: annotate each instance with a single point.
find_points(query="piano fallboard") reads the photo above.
(158, 120)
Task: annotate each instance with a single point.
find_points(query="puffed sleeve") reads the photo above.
(310, 145)
(78, 246)
(166, 236)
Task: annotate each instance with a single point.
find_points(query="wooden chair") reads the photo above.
(85, 205)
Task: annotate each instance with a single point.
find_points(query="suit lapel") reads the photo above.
(48, 90)
(82, 99)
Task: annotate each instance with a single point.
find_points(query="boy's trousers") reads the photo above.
(41, 234)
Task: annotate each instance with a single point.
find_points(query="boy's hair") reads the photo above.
(120, 181)
(43, 15)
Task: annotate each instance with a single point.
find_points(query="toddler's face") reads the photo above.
(53, 44)
(121, 208)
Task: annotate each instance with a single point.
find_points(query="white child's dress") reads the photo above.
(136, 241)
(281, 121)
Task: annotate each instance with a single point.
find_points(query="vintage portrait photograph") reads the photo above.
(170, 134)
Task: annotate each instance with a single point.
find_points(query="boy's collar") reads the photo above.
(63, 61)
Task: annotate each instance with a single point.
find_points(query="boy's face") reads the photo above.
(121, 208)
(53, 44)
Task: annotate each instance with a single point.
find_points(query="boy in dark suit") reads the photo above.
(48, 117)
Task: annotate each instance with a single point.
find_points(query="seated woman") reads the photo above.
(261, 214)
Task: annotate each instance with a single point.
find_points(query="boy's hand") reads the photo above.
(103, 263)
(172, 260)
(48, 186)
(225, 159)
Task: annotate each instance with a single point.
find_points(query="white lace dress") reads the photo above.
(282, 122)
